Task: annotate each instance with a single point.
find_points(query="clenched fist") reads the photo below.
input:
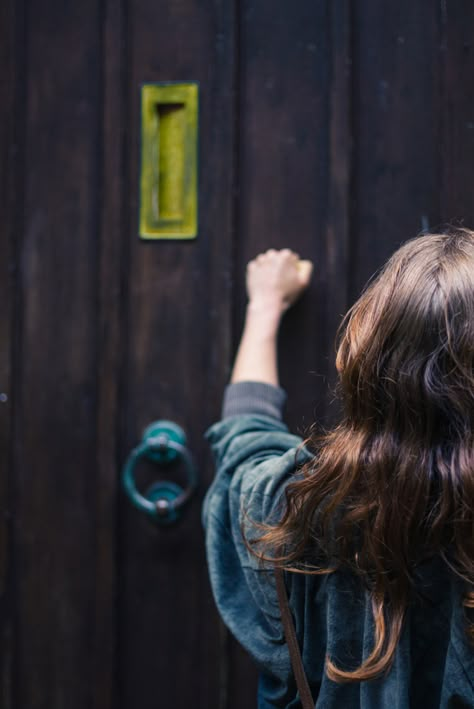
(277, 278)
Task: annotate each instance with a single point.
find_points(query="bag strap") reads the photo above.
(290, 635)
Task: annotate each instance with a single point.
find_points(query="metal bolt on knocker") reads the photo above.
(163, 442)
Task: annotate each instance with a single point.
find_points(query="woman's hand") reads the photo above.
(276, 279)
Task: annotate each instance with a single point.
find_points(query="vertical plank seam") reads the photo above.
(442, 19)
(124, 299)
(101, 357)
(18, 184)
(353, 208)
(237, 162)
(235, 221)
(224, 637)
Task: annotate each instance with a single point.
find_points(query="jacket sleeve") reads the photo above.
(255, 457)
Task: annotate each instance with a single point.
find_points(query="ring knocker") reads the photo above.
(163, 442)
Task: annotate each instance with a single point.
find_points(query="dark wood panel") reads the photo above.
(456, 147)
(55, 423)
(396, 109)
(332, 277)
(294, 176)
(177, 360)
(11, 163)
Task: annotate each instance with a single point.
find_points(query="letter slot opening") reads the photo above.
(168, 197)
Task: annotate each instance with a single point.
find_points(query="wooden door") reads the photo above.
(337, 128)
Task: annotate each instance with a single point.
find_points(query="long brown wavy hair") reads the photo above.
(392, 484)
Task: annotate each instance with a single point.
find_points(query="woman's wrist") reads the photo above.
(266, 314)
(257, 354)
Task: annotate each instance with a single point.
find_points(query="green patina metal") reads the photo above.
(174, 434)
(169, 161)
(163, 442)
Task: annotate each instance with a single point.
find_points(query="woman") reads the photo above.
(372, 521)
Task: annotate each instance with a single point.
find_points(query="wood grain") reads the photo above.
(55, 416)
(294, 176)
(395, 127)
(456, 147)
(112, 276)
(11, 175)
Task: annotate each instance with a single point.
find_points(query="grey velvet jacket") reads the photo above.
(256, 456)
